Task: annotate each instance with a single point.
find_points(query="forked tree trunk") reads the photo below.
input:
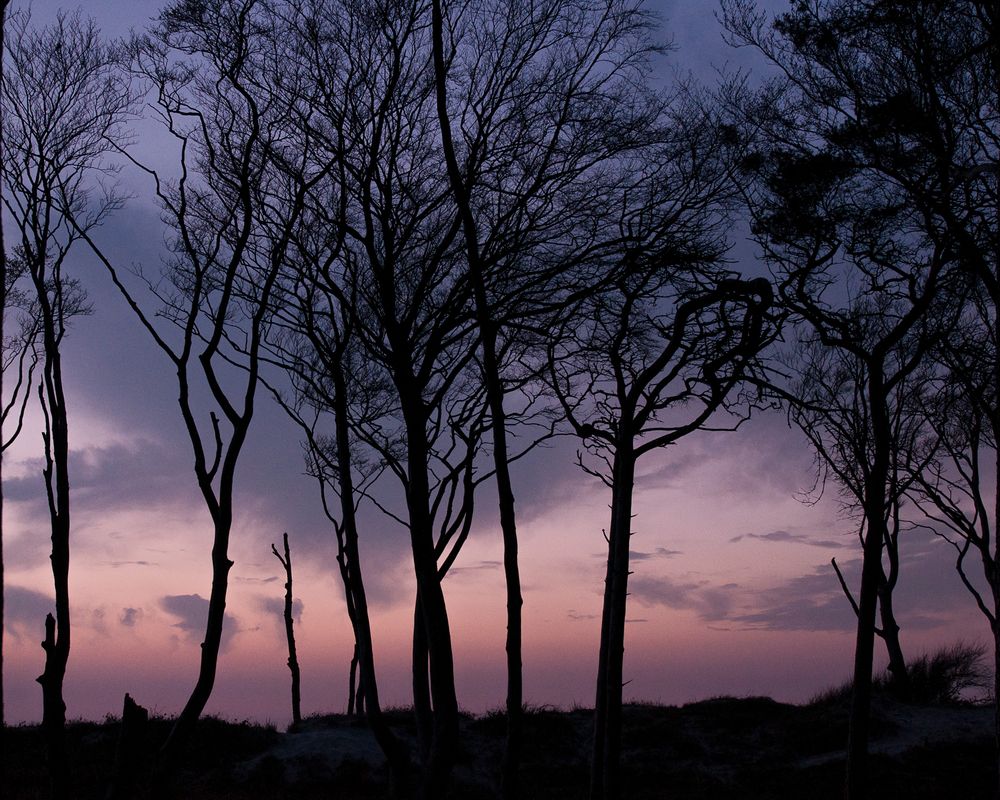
(433, 611)
(293, 659)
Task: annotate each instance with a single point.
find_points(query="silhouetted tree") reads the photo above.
(18, 359)
(397, 275)
(64, 102)
(866, 143)
(654, 355)
(828, 403)
(293, 660)
(956, 487)
(325, 380)
(233, 207)
(533, 102)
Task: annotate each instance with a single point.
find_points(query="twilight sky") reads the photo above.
(732, 591)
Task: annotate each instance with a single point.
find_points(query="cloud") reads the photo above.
(192, 611)
(129, 617)
(926, 596)
(481, 566)
(798, 538)
(576, 616)
(275, 606)
(710, 602)
(25, 610)
(659, 552)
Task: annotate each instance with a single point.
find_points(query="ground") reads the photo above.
(721, 748)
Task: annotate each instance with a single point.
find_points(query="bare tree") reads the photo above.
(215, 69)
(312, 340)
(293, 660)
(866, 145)
(64, 103)
(533, 101)
(654, 355)
(826, 399)
(397, 275)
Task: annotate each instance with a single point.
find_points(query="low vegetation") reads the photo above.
(723, 747)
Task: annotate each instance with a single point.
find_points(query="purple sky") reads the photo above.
(732, 591)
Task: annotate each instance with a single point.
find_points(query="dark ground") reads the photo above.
(722, 748)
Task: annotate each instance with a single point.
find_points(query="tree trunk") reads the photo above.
(293, 659)
(601, 695)
(56, 476)
(432, 607)
(856, 781)
(899, 679)
(352, 682)
(996, 690)
(366, 699)
(208, 667)
(498, 420)
(422, 711)
(128, 753)
(607, 736)
(54, 712)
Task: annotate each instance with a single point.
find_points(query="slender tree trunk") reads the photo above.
(620, 538)
(352, 682)
(498, 419)
(899, 676)
(221, 564)
(366, 696)
(856, 783)
(422, 710)
(996, 689)
(605, 781)
(293, 659)
(601, 697)
(56, 448)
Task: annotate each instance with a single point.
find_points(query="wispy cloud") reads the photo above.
(796, 538)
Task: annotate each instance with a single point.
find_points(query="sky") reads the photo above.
(732, 591)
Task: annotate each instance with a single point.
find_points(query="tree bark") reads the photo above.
(293, 659)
